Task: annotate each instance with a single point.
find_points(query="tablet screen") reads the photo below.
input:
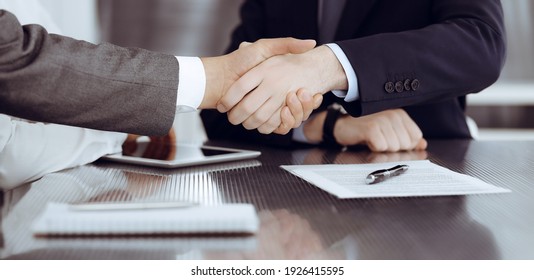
(171, 152)
(154, 153)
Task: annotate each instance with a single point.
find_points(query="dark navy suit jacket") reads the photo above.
(423, 56)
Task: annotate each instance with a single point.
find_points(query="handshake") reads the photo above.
(271, 85)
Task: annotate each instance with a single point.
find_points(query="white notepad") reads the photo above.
(59, 219)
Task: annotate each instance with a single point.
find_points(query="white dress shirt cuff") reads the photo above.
(298, 133)
(352, 93)
(191, 84)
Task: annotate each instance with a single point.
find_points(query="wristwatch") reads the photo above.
(332, 114)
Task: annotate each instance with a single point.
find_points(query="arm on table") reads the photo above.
(386, 131)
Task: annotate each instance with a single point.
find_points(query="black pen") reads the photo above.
(383, 174)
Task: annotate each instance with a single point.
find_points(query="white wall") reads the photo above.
(519, 21)
(76, 18)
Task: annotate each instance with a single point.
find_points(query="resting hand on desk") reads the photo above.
(386, 131)
(223, 72)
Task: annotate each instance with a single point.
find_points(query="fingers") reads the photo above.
(308, 104)
(131, 137)
(160, 147)
(376, 141)
(171, 136)
(400, 132)
(239, 89)
(292, 115)
(414, 132)
(170, 142)
(265, 113)
(317, 100)
(153, 148)
(269, 93)
(271, 47)
(298, 105)
(255, 109)
(409, 133)
(249, 56)
(288, 122)
(391, 136)
(275, 121)
(280, 123)
(421, 145)
(380, 135)
(130, 144)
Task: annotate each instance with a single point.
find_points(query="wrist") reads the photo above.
(330, 72)
(214, 82)
(338, 131)
(355, 135)
(330, 122)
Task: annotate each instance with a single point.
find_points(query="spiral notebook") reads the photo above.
(63, 220)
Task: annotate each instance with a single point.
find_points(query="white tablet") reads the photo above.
(179, 155)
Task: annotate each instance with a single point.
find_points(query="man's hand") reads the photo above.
(262, 91)
(159, 147)
(223, 71)
(386, 131)
(299, 108)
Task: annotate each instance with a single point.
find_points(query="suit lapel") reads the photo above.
(353, 16)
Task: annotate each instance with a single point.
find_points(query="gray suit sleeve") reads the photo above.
(51, 78)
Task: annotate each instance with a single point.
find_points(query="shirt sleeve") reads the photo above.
(352, 93)
(191, 84)
(23, 159)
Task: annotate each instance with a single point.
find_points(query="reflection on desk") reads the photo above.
(298, 221)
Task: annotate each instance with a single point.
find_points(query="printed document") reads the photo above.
(423, 178)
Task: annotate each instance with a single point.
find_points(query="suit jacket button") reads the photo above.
(407, 85)
(415, 84)
(399, 87)
(389, 87)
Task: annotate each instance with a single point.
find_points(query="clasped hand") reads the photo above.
(271, 85)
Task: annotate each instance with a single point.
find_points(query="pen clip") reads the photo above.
(383, 174)
(398, 168)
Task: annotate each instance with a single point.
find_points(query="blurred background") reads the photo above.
(203, 27)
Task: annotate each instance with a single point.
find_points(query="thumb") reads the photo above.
(288, 121)
(279, 46)
(244, 44)
(317, 100)
(250, 55)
